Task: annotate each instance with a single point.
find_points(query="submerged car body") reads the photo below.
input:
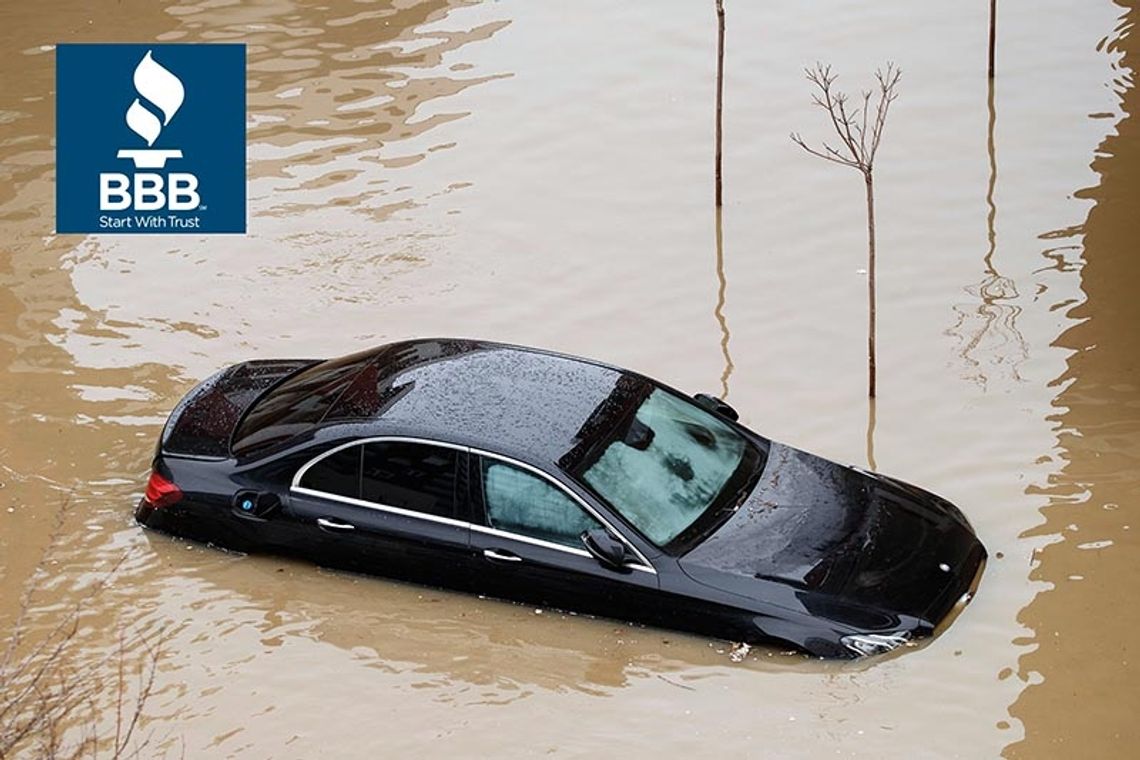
(553, 480)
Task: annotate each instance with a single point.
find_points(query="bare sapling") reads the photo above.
(860, 129)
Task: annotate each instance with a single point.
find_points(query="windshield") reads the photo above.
(669, 465)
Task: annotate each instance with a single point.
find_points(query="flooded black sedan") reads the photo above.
(559, 481)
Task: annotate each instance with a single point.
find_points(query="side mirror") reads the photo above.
(606, 549)
(639, 435)
(716, 406)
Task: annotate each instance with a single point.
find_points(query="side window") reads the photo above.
(337, 474)
(414, 476)
(518, 501)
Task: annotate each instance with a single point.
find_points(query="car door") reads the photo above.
(526, 529)
(391, 507)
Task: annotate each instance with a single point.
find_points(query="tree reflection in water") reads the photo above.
(988, 339)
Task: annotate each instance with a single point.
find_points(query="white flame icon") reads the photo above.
(158, 85)
(161, 87)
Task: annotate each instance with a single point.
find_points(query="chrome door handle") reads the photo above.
(499, 556)
(334, 525)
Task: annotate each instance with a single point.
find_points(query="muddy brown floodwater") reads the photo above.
(542, 174)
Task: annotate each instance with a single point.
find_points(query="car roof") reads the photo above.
(536, 406)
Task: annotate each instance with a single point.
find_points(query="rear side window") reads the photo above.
(414, 476)
(520, 502)
(337, 474)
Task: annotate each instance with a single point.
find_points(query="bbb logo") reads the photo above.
(150, 138)
(166, 92)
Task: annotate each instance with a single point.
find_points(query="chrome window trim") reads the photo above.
(530, 540)
(550, 545)
(360, 442)
(295, 487)
(382, 507)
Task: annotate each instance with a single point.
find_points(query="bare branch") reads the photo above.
(845, 121)
(888, 92)
(862, 129)
(834, 156)
(858, 130)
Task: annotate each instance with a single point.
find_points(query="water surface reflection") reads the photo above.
(1091, 518)
(990, 343)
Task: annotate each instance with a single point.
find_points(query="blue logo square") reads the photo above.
(150, 138)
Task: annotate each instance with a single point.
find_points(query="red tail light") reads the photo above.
(160, 492)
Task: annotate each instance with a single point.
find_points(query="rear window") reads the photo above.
(299, 403)
(202, 423)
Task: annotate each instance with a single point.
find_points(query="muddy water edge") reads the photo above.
(528, 173)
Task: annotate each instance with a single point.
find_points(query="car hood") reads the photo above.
(850, 535)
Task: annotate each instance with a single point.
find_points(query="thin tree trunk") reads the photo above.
(993, 34)
(991, 216)
(870, 183)
(719, 92)
(871, 434)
